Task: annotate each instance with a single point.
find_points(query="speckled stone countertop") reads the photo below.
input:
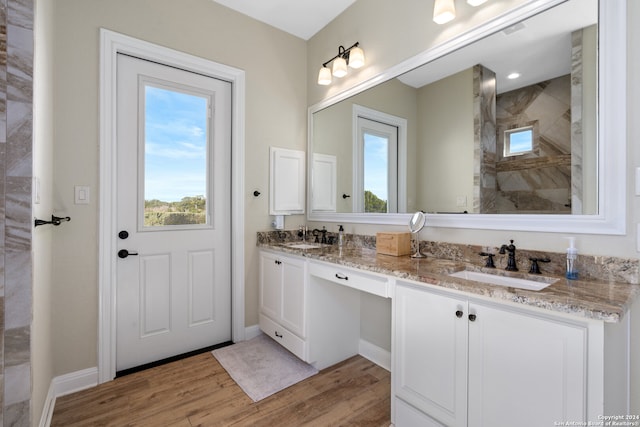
(595, 299)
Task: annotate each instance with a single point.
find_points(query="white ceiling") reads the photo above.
(302, 18)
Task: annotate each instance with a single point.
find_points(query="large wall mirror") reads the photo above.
(452, 133)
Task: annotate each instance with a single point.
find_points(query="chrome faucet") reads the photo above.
(511, 262)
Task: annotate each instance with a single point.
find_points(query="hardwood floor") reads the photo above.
(197, 391)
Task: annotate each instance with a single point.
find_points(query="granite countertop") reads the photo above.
(594, 299)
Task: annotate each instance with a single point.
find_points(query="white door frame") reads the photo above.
(111, 44)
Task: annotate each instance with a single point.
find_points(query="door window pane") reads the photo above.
(175, 157)
(376, 162)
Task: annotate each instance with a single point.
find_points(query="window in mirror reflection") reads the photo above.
(518, 141)
(379, 154)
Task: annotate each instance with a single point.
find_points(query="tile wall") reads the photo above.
(16, 163)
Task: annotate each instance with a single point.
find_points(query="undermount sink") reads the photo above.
(511, 282)
(302, 245)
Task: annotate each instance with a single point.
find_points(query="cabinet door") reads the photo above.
(287, 183)
(270, 285)
(430, 368)
(524, 370)
(293, 296)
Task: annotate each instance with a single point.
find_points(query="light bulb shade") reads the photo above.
(443, 11)
(475, 3)
(324, 76)
(356, 57)
(339, 67)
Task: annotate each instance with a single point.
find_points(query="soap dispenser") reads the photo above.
(340, 236)
(572, 255)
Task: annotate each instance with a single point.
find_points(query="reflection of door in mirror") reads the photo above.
(379, 152)
(376, 187)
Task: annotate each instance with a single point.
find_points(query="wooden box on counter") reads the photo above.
(393, 243)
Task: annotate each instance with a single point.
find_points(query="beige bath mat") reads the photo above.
(262, 367)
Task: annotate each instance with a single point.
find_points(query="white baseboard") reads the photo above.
(49, 405)
(377, 355)
(75, 381)
(251, 332)
(66, 384)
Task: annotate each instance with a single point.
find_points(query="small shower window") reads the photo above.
(518, 141)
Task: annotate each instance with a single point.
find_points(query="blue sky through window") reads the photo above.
(376, 154)
(521, 141)
(175, 145)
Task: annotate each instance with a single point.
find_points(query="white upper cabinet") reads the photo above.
(287, 181)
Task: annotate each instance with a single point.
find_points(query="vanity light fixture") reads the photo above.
(475, 3)
(352, 57)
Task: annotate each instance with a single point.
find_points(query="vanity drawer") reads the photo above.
(282, 336)
(370, 283)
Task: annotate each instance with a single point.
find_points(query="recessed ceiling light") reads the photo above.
(513, 76)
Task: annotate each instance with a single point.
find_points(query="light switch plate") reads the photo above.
(82, 195)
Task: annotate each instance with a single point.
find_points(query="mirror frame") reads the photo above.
(612, 132)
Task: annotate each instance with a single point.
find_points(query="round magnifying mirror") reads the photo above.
(416, 224)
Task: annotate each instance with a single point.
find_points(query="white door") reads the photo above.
(173, 291)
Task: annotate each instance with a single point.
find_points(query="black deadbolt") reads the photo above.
(123, 234)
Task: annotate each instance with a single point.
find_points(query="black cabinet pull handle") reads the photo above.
(341, 276)
(278, 335)
(472, 317)
(278, 262)
(459, 314)
(123, 253)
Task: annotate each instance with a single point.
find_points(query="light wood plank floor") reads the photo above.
(197, 391)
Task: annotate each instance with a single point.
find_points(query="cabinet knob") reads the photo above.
(459, 314)
(472, 317)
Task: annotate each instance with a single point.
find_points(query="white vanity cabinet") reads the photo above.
(465, 362)
(283, 289)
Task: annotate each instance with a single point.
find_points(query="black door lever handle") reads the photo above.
(123, 253)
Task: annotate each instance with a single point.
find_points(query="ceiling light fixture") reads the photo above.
(513, 76)
(352, 57)
(443, 11)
